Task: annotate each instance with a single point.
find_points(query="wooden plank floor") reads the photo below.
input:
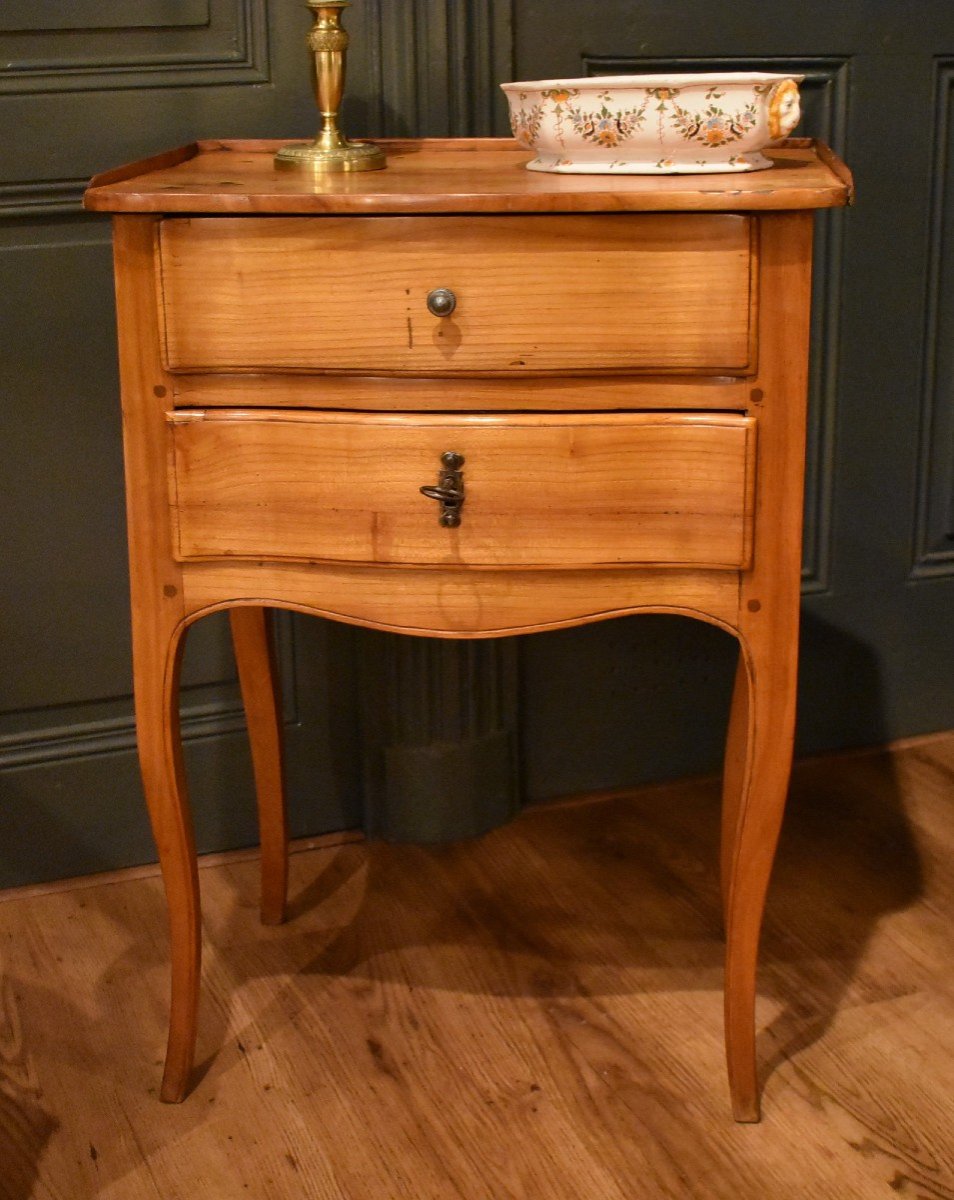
(534, 1015)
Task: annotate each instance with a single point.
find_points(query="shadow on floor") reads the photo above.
(621, 894)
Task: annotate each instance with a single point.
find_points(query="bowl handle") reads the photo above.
(784, 108)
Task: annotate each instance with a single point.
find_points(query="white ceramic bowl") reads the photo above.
(653, 124)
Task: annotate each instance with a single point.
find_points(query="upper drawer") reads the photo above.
(629, 292)
(553, 490)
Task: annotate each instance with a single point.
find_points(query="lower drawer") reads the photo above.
(541, 490)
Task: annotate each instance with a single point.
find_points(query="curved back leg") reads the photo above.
(258, 679)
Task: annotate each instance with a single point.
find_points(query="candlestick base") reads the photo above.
(347, 156)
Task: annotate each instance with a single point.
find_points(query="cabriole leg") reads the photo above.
(157, 663)
(758, 764)
(258, 679)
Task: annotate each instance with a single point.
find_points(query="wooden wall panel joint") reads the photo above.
(436, 66)
(228, 45)
(58, 62)
(934, 520)
(42, 197)
(107, 736)
(77, 731)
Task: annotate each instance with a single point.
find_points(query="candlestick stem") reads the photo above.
(330, 151)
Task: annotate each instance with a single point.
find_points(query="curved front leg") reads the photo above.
(157, 656)
(258, 679)
(733, 776)
(757, 769)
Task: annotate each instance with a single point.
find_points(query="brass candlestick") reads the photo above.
(330, 151)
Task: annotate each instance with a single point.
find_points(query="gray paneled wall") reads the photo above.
(86, 86)
(935, 524)
(877, 648)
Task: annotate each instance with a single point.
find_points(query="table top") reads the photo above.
(455, 175)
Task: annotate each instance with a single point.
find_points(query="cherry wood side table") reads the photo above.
(458, 399)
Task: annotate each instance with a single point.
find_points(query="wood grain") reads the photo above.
(457, 175)
(536, 1013)
(554, 293)
(762, 723)
(556, 502)
(261, 698)
(541, 491)
(462, 604)
(395, 393)
(157, 628)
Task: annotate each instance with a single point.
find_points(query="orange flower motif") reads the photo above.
(559, 97)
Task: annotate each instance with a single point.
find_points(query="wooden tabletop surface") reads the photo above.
(453, 175)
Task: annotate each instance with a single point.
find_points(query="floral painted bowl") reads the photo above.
(653, 124)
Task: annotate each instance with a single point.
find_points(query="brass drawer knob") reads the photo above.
(441, 302)
(449, 491)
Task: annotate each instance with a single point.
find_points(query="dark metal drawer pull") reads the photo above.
(449, 491)
(441, 302)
